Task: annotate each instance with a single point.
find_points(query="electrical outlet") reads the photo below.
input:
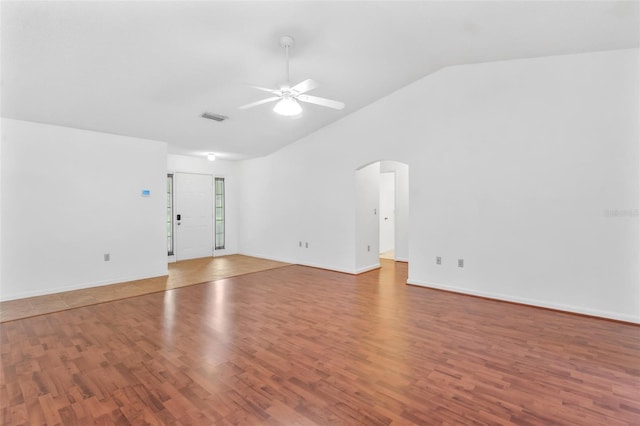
(438, 260)
(300, 244)
(107, 257)
(460, 263)
(368, 248)
(306, 245)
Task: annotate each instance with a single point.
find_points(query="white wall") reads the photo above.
(218, 168)
(75, 195)
(531, 154)
(1, 191)
(298, 195)
(513, 166)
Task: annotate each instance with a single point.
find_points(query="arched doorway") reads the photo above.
(375, 201)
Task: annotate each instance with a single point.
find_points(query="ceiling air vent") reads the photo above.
(212, 116)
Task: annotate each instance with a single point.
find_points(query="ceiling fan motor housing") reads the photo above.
(286, 41)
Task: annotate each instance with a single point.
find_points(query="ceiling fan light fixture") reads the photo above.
(288, 96)
(288, 107)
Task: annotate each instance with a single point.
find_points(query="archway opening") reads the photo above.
(382, 214)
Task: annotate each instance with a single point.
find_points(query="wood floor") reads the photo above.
(390, 255)
(181, 274)
(297, 345)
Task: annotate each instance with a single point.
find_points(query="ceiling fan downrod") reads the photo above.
(286, 42)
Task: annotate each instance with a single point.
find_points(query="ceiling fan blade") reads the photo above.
(305, 86)
(264, 101)
(320, 101)
(264, 89)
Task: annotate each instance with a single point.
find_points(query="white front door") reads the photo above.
(193, 215)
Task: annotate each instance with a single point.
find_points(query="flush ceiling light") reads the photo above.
(211, 156)
(287, 106)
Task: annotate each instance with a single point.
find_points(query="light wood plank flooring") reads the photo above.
(181, 274)
(389, 255)
(303, 346)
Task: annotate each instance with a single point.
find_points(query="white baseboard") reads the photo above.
(262, 256)
(220, 253)
(530, 302)
(367, 268)
(315, 265)
(82, 286)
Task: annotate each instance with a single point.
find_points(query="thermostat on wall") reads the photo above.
(146, 193)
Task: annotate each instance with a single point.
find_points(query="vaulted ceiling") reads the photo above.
(150, 69)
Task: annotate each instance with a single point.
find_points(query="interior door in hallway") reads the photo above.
(193, 195)
(387, 211)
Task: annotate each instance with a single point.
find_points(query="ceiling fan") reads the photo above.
(288, 96)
